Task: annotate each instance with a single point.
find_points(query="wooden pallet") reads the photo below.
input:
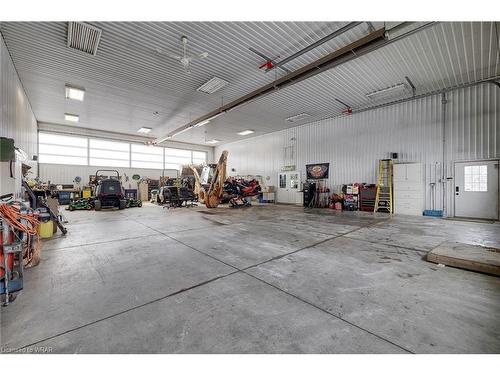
(469, 257)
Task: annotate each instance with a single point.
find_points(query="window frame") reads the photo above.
(161, 153)
(168, 164)
(165, 164)
(104, 165)
(62, 156)
(473, 178)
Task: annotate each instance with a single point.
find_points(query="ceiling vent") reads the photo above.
(83, 37)
(213, 85)
(299, 117)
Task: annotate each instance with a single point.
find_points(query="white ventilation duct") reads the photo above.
(83, 37)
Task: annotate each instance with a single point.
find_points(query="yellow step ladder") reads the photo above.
(383, 199)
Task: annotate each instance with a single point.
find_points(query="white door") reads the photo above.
(294, 186)
(476, 189)
(283, 188)
(288, 187)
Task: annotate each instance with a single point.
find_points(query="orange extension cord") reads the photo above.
(12, 214)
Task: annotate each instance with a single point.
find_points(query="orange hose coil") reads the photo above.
(12, 214)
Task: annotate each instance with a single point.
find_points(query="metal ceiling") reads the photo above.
(127, 80)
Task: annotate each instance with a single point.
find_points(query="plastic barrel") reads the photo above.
(46, 227)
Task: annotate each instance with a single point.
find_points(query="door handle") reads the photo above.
(457, 190)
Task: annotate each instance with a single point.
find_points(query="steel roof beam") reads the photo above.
(335, 34)
(351, 50)
(367, 44)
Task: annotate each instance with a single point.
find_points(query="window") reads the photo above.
(62, 149)
(109, 153)
(476, 178)
(147, 157)
(175, 158)
(199, 157)
(282, 181)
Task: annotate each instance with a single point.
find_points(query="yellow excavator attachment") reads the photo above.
(198, 189)
(213, 195)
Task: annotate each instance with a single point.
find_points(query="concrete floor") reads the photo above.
(266, 279)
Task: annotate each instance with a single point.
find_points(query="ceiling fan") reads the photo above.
(185, 59)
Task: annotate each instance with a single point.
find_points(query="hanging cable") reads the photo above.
(14, 216)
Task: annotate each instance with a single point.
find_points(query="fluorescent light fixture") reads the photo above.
(212, 85)
(246, 132)
(388, 91)
(201, 123)
(300, 116)
(74, 93)
(213, 141)
(70, 117)
(144, 130)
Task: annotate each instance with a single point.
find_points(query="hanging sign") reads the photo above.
(317, 171)
(287, 168)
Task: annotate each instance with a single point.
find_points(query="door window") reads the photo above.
(282, 181)
(294, 181)
(476, 178)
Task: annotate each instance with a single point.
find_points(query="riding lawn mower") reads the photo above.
(108, 192)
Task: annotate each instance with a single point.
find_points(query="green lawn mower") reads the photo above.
(81, 204)
(133, 203)
(108, 192)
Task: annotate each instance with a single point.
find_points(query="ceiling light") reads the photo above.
(70, 117)
(144, 130)
(74, 93)
(201, 123)
(300, 116)
(213, 85)
(246, 132)
(213, 141)
(388, 91)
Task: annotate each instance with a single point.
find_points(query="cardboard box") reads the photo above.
(268, 189)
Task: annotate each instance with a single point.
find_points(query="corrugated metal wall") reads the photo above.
(354, 144)
(17, 120)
